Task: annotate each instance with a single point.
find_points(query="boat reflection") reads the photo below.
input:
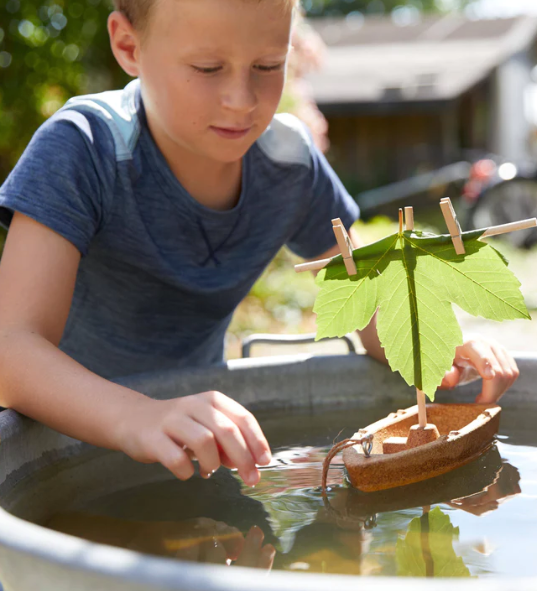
(478, 487)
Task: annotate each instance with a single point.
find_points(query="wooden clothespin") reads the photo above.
(345, 245)
(452, 224)
(409, 214)
(409, 218)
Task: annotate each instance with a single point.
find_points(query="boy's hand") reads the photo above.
(218, 430)
(491, 361)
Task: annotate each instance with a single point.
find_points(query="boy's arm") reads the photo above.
(37, 278)
(493, 362)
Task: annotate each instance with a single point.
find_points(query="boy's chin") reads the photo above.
(232, 154)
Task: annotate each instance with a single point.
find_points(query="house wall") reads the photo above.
(475, 112)
(511, 128)
(371, 149)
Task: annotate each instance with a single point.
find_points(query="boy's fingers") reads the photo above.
(173, 457)
(255, 555)
(481, 357)
(252, 548)
(225, 460)
(503, 380)
(248, 425)
(505, 373)
(233, 542)
(213, 552)
(201, 441)
(230, 438)
(266, 559)
(509, 366)
(490, 392)
(451, 378)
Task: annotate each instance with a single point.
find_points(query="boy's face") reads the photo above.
(212, 73)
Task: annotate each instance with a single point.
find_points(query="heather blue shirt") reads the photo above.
(160, 274)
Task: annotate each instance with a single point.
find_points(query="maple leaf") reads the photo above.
(413, 278)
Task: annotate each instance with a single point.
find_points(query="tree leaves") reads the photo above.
(413, 278)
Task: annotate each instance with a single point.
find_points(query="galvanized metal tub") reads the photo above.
(34, 558)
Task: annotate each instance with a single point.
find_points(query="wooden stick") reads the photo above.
(512, 227)
(409, 218)
(345, 245)
(492, 231)
(422, 410)
(400, 220)
(453, 225)
(312, 265)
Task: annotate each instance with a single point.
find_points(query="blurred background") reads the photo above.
(411, 100)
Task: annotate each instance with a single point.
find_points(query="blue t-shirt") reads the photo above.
(161, 274)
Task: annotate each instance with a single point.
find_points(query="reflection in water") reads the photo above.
(505, 485)
(427, 549)
(215, 521)
(200, 520)
(199, 540)
(477, 487)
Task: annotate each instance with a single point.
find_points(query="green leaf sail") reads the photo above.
(351, 301)
(416, 324)
(412, 278)
(478, 282)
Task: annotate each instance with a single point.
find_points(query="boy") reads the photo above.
(140, 218)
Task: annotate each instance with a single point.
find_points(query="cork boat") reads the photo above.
(397, 451)
(477, 488)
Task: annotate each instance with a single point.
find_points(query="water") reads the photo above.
(479, 520)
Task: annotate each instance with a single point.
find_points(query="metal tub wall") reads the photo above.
(33, 558)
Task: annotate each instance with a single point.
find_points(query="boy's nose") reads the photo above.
(239, 94)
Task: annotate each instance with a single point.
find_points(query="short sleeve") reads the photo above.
(62, 178)
(325, 200)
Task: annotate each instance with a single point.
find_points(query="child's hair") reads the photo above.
(138, 11)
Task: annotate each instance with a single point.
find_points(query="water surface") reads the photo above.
(479, 520)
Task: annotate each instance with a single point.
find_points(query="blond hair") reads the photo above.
(139, 11)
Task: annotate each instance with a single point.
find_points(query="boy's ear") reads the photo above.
(125, 42)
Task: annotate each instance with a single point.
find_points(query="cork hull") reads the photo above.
(465, 432)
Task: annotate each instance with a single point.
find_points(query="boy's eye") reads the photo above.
(207, 70)
(214, 69)
(273, 68)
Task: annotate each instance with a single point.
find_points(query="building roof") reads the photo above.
(439, 58)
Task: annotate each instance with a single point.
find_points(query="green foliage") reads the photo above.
(49, 50)
(429, 544)
(413, 278)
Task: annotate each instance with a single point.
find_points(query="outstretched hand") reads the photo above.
(488, 360)
(214, 428)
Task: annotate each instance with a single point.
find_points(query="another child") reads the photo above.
(140, 218)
